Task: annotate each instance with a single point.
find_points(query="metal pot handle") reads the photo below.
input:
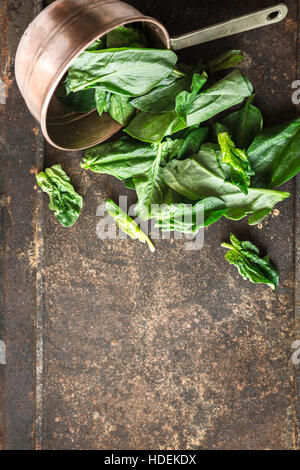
(244, 23)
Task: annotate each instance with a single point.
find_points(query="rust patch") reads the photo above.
(5, 54)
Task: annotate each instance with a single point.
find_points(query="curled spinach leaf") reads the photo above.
(127, 224)
(64, 200)
(237, 160)
(245, 256)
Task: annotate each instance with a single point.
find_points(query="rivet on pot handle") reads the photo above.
(244, 23)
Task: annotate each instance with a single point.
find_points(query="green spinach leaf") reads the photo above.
(237, 160)
(245, 256)
(185, 100)
(188, 218)
(150, 187)
(275, 154)
(125, 71)
(228, 92)
(102, 100)
(226, 61)
(123, 158)
(163, 98)
(203, 176)
(127, 224)
(192, 141)
(125, 36)
(64, 200)
(81, 102)
(244, 125)
(149, 127)
(120, 109)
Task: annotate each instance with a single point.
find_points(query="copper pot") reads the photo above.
(67, 27)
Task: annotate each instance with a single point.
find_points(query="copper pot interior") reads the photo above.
(72, 131)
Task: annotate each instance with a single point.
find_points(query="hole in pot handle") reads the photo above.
(238, 25)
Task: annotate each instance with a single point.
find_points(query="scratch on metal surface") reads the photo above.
(39, 252)
(297, 261)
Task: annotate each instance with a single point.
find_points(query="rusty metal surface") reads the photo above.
(137, 351)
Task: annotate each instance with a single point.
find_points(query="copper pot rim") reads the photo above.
(74, 54)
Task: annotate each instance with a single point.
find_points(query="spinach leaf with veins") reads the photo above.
(125, 71)
(205, 175)
(245, 256)
(123, 158)
(227, 92)
(150, 186)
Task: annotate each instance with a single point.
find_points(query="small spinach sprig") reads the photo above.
(127, 224)
(245, 256)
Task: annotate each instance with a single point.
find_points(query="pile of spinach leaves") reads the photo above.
(179, 156)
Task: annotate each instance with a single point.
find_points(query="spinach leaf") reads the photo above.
(192, 141)
(81, 102)
(125, 36)
(97, 45)
(275, 154)
(244, 125)
(215, 129)
(188, 218)
(120, 109)
(102, 100)
(125, 71)
(237, 160)
(64, 200)
(185, 100)
(162, 99)
(123, 159)
(228, 92)
(203, 176)
(149, 127)
(127, 224)
(226, 61)
(150, 187)
(245, 256)
(191, 109)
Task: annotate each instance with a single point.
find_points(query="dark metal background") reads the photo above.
(110, 347)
